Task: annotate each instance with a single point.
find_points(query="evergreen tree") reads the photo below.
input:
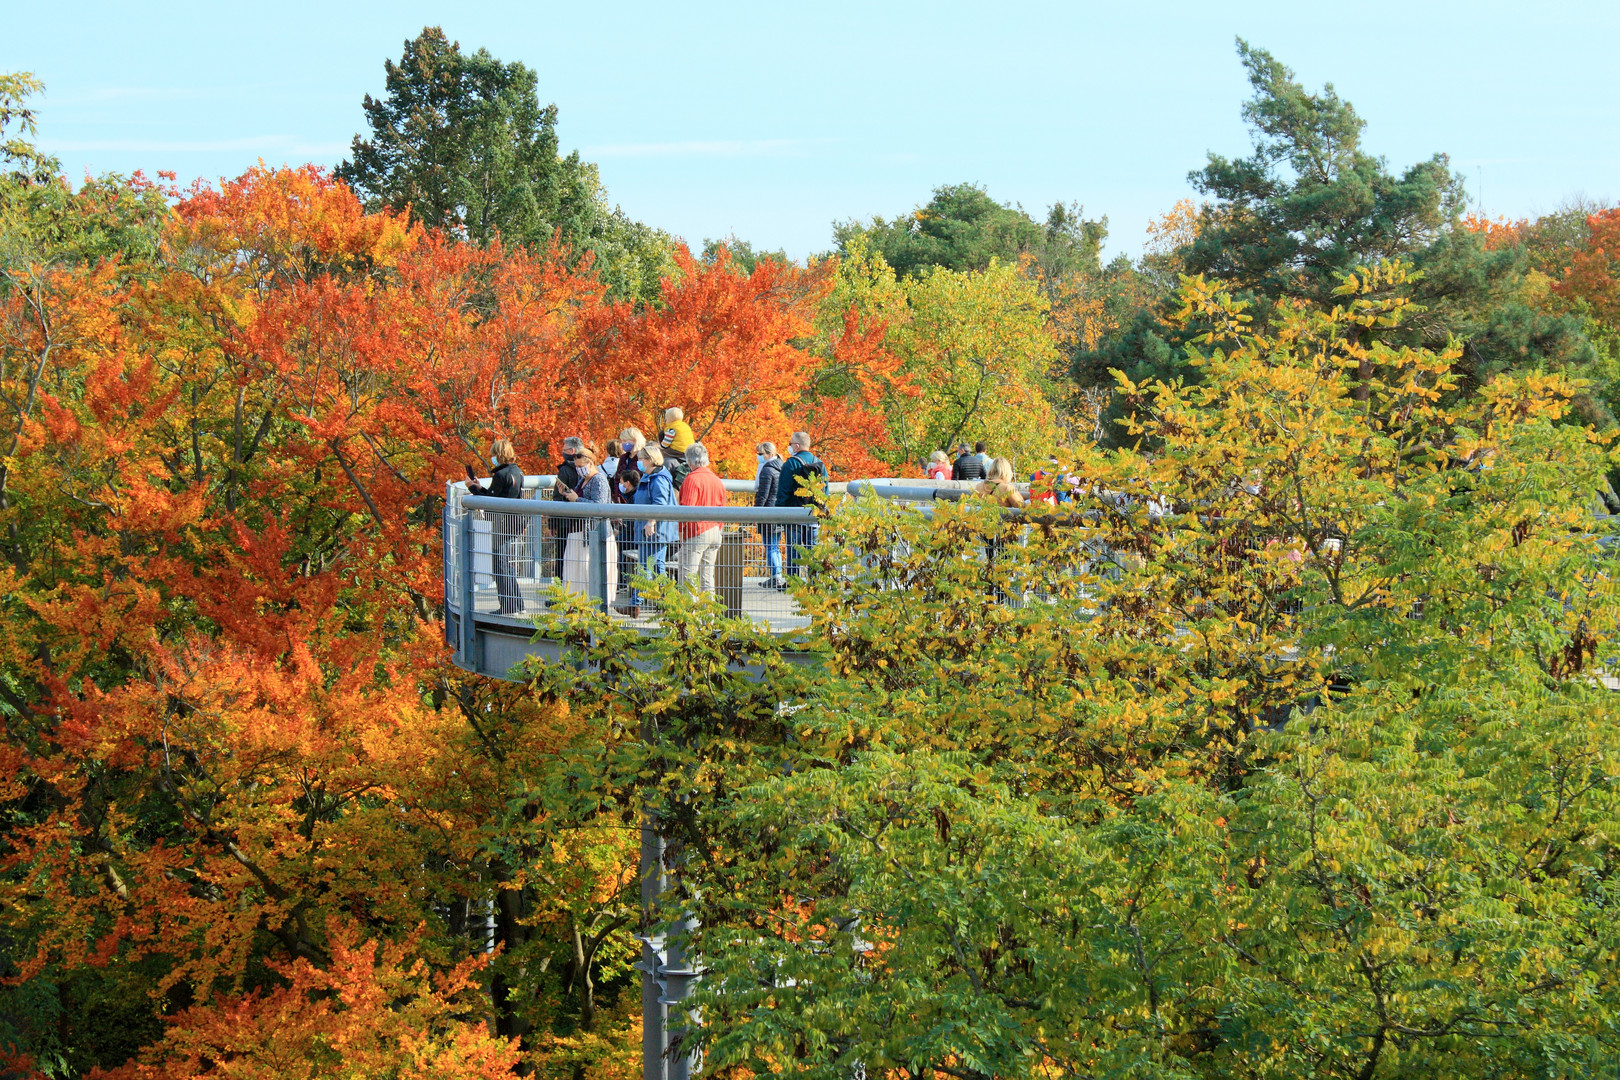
(962, 228)
(463, 142)
(1309, 206)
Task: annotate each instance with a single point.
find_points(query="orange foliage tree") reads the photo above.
(246, 792)
(1594, 273)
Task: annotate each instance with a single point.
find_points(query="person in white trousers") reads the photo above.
(700, 540)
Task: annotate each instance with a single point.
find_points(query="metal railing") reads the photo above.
(502, 557)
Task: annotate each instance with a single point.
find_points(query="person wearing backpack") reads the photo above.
(792, 490)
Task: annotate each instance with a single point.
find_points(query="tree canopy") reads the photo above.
(1310, 204)
(962, 228)
(462, 143)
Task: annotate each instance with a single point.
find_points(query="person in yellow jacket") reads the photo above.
(677, 432)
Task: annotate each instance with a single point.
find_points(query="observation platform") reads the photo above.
(502, 558)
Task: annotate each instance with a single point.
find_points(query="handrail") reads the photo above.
(534, 483)
(747, 515)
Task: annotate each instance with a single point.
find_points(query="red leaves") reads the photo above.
(1594, 274)
(221, 505)
(370, 1011)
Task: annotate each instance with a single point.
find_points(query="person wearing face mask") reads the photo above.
(765, 485)
(593, 486)
(656, 489)
(505, 482)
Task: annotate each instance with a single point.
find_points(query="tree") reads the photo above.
(1307, 207)
(463, 143)
(1282, 754)
(1310, 204)
(18, 151)
(974, 354)
(962, 228)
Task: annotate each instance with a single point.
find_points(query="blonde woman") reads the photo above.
(998, 484)
(631, 440)
(939, 466)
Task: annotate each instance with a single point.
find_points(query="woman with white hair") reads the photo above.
(700, 540)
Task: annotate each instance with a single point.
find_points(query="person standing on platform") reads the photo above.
(700, 540)
(766, 482)
(593, 486)
(506, 482)
(968, 466)
(980, 451)
(792, 490)
(655, 489)
(556, 530)
(939, 466)
(631, 440)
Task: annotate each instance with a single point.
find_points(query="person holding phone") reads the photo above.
(505, 482)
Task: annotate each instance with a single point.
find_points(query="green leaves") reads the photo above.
(1278, 751)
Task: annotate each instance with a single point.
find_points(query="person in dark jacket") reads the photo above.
(558, 529)
(800, 466)
(968, 465)
(506, 482)
(766, 483)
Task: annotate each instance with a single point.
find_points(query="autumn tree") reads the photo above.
(242, 778)
(1279, 751)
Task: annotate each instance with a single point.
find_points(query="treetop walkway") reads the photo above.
(535, 543)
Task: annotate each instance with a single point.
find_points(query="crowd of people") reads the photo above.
(676, 471)
(632, 471)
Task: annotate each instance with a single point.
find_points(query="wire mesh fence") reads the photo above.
(506, 563)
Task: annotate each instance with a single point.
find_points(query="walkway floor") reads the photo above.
(769, 607)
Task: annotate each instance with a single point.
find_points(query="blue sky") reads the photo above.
(772, 121)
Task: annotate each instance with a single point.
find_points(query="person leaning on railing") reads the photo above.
(506, 482)
(655, 489)
(700, 540)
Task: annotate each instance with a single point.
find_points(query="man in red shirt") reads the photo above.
(700, 540)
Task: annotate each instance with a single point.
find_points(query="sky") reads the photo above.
(770, 122)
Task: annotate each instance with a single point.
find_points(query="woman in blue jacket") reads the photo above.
(654, 537)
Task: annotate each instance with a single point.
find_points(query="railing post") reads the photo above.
(651, 870)
(464, 655)
(444, 537)
(599, 561)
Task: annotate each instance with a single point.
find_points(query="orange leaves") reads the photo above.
(1594, 274)
(1498, 232)
(294, 223)
(371, 1011)
(722, 347)
(228, 707)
